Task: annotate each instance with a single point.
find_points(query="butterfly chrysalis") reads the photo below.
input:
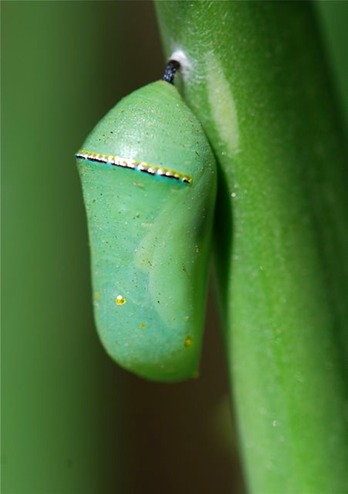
(149, 180)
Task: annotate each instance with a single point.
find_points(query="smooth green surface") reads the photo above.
(333, 20)
(258, 83)
(62, 399)
(137, 223)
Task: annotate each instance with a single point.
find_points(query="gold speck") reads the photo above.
(142, 325)
(188, 341)
(96, 296)
(120, 300)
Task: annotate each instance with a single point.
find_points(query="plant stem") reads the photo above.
(259, 86)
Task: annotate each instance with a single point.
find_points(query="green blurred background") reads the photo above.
(72, 420)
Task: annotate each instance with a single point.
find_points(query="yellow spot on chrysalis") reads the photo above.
(188, 341)
(96, 296)
(120, 300)
(142, 325)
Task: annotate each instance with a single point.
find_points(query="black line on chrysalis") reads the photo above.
(140, 166)
(170, 71)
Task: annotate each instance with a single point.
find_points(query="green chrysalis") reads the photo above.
(149, 182)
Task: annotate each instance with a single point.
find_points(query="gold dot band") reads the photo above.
(133, 165)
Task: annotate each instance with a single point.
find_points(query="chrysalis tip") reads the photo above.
(180, 57)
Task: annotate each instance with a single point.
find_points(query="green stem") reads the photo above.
(258, 84)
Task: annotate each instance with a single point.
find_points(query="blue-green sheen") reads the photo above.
(150, 235)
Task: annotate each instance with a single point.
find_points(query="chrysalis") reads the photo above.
(149, 181)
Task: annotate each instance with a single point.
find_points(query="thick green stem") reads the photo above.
(258, 84)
